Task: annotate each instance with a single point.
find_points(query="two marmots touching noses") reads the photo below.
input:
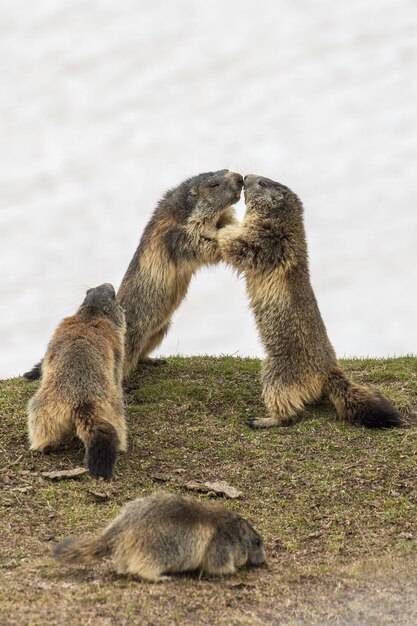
(104, 342)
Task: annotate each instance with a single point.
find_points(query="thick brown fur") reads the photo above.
(180, 237)
(81, 384)
(270, 248)
(165, 533)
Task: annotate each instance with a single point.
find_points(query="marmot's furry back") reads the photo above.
(81, 384)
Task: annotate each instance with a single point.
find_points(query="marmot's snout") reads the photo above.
(237, 182)
(237, 178)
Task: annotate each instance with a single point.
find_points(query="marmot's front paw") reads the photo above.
(209, 250)
(228, 232)
(226, 220)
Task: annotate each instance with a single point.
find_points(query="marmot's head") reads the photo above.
(205, 196)
(270, 199)
(101, 302)
(251, 542)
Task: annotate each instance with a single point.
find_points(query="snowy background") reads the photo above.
(104, 105)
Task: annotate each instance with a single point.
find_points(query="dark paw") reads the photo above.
(153, 362)
(252, 422)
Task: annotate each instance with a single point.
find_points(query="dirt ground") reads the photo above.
(336, 505)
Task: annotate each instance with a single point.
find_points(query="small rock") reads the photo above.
(405, 535)
(100, 496)
(22, 489)
(218, 488)
(160, 477)
(76, 472)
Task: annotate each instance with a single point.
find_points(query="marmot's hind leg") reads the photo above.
(151, 345)
(48, 425)
(116, 416)
(147, 360)
(282, 406)
(284, 400)
(142, 566)
(137, 353)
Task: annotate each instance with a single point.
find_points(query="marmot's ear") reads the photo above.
(194, 191)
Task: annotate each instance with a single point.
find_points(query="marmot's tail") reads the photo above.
(358, 404)
(101, 442)
(81, 549)
(35, 373)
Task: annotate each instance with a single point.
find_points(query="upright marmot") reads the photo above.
(81, 384)
(180, 237)
(166, 534)
(270, 248)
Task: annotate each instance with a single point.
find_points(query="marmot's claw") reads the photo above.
(252, 422)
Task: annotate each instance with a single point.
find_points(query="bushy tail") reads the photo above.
(35, 373)
(101, 442)
(81, 549)
(360, 405)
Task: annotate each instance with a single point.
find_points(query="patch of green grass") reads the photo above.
(320, 492)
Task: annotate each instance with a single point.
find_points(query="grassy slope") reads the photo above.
(336, 504)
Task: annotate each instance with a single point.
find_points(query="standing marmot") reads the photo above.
(165, 533)
(180, 237)
(270, 248)
(82, 383)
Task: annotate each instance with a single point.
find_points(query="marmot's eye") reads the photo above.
(262, 183)
(257, 541)
(213, 184)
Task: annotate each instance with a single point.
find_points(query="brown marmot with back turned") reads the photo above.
(166, 534)
(180, 237)
(300, 367)
(81, 386)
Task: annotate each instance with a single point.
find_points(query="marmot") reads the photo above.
(81, 384)
(300, 366)
(180, 237)
(165, 533)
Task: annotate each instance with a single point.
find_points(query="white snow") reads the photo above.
(104, 105)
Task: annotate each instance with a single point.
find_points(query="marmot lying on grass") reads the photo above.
(180, 237)
(164, 534)
(81, 384)
(270, 248)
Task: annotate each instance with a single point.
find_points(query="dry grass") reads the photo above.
(336, 505)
